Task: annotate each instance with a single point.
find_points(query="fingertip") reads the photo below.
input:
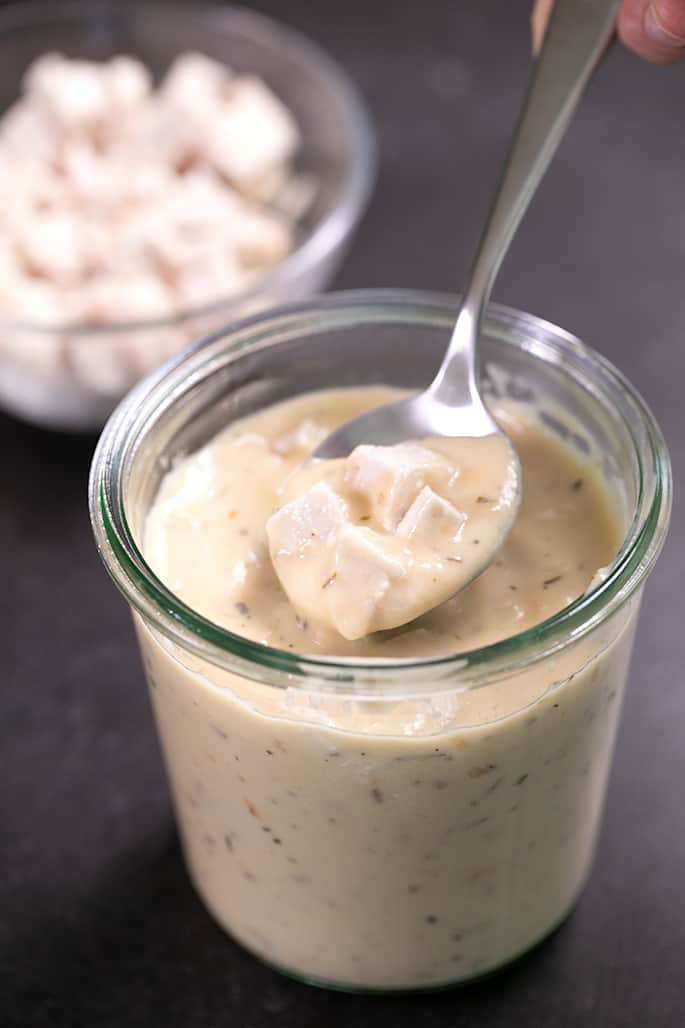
(539, 18)
(642, 29)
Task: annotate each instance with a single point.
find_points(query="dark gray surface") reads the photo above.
(98, 922)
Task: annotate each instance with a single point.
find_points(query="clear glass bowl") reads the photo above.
(37, 380)
(395, 824)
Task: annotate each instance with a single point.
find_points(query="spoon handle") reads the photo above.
(577, 35)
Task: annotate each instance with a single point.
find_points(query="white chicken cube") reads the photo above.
(207, 273)
(193, 83)
(39, 354)
(73, 93)
(100, 363)
(32, 187)
(27, 298)
(199, 199)
(364, 573)
(83, 168)
(269, 186)
(52, 246)
(26, 134)
(254, 132)
(391, 477)
(305, 438)
(431, 519)
(137, 295)
(296, 197)
(315, 515)
(115, 188)
(8, 263)
(22, 297)
(260, 239)
(128, 83)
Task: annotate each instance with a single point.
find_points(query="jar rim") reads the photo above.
(158, 606)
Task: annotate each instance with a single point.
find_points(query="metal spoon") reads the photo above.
(576, 37)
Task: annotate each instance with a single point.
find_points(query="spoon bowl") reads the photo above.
(416, 417)
(424, 417)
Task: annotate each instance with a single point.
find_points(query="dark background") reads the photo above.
(98, 922)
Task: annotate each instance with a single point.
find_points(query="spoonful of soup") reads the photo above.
(404, 506)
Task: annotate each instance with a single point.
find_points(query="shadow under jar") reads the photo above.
(394, 824)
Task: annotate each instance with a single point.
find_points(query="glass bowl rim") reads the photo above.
(159, 606)
(330, 231)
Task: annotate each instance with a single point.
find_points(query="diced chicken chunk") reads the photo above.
(201, 199)
(101, 364)
(296, 196)
(128, 83)
(306, 437)
(25, 132)
(193, 83)
(25, 298)
(430, 519)
(391, 477)
(39, 353)
(364, 573)
(53, 247)
(235, 149)
(73, 93)
(315, 515)
(209, 270)
(268, 187)
(8, 260)
(124, 297)
(260, 239)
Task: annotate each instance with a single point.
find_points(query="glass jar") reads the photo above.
(385, 824)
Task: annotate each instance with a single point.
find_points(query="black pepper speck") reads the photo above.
(495, 785)
(474, 824)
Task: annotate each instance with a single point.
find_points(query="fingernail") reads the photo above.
(656, 31)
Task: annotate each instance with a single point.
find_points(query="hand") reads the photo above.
(654, 29)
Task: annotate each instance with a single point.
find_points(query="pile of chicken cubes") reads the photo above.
(344, 573)
(126, 202)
